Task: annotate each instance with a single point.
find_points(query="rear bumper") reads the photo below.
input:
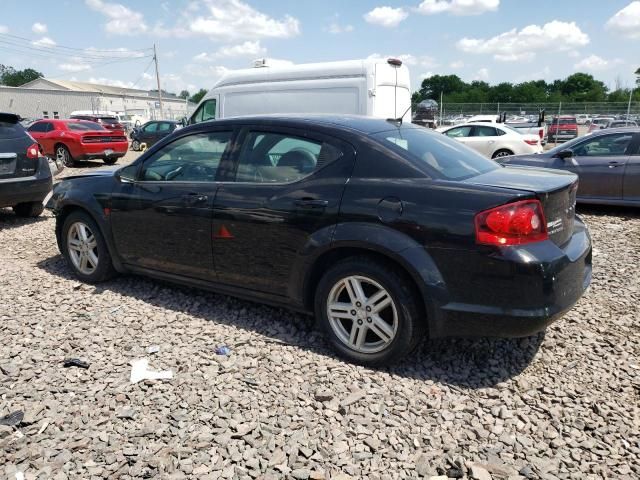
(101, 150)
(530, 287)
(27, 189)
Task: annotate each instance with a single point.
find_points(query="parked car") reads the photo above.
(562, 128)
(25, 173)
(583, 119)
(599, 123)
(536, 127)
(73, 140)
(376, 88)
(493, 140)
(620, 124)
(109, 122)
(607, 163)
(151, 132)
(384, 230)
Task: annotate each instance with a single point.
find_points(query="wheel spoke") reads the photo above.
(83, 261)
(381, 328)
(74, 243)
(379, 301)
(354, 289)
(93, 259)
(358, 335)
(341, 310)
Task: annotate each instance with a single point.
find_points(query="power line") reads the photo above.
(86, 50)
(98, 66)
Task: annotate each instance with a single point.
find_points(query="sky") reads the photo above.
(111, 42)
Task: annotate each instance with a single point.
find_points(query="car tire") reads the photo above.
(371, 345)
(64, 156)
(28, 209)
(135, 146)
(110, 160)
(88, 239)
(503, 152)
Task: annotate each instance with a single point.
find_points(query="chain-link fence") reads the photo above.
(449, 110)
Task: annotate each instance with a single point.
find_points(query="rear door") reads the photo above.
(631, 182)
(483, 140)
(600, 163)
(285, 186)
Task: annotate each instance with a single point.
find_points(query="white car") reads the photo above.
(494, 140)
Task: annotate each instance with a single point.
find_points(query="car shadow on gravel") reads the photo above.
(460, 362)
(8, 219)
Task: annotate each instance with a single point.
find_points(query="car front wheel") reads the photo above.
(369, 311)
(85, 249)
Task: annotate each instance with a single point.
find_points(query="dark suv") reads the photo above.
(25, 174)
(107, 121)
(386, 232)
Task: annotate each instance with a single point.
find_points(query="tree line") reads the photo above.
(579, 87)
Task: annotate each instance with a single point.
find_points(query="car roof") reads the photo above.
(608, 131)
(358, 123)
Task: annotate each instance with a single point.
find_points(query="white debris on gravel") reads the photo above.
(560, 405)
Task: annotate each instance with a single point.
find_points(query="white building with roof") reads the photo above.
(53, 98)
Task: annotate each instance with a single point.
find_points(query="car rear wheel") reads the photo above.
(28, 209)
(135, 145)
(63, 156)
(109, 160)
(369, 311)
(502, 153)
(85, 249)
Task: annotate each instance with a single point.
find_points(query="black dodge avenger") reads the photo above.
(387, 232)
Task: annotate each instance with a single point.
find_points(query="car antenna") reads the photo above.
(399, 119)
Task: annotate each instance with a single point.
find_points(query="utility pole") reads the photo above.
(629, 104)
(155, 59)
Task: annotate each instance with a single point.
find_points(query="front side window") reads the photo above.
(207, 111)
(194, 158)
(435, 154)
(268, 157)
(604, 146)
(150, 127)
(164, 127)
(458, 132)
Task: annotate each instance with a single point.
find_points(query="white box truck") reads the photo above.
(376, 88)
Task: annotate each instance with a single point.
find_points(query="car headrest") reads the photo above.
(301, 160)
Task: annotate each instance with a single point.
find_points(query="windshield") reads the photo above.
(84, 126)
(438, 155)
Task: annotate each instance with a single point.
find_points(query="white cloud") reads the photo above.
(596, 63)
(74, 67)
(627, 21)
(426, 75)
(3, 29)
(39, 28)
(246, 49)
(458, 7)
(122, 20)
(522, 45)
(111, 82)
(482, 74)
(424, 61)
(232, 20)
(386, 16)
(456, 65)
(335, 28)
(44, 42)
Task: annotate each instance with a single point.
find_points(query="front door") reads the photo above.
(148, 133)
(284, 186)
(600, 164)
(631, 187)
(162, 219)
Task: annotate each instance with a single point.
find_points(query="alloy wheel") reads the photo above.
(83, 248)
(62, 155)
(362, 314)
(502, 154)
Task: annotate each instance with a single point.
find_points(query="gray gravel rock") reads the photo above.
(560, 405)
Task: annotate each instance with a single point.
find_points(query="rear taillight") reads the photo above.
(33, 151)
(541, 133)
(512, 224)
(532, 142)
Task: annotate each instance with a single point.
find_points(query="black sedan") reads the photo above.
(386, 232)
(606, 161)
(151, 132)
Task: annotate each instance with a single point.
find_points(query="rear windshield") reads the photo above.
(108, 119)
(84, 126)
(564, 121)
(11, 130)
(436, 154)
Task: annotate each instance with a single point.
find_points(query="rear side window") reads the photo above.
(269, 157)
(164, 127)
(436, 155)
(206, 111)
(484, 132)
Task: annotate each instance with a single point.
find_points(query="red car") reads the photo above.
(72, 140)
(563, 128)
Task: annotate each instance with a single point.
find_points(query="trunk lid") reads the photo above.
(556, 191)
(14, 141)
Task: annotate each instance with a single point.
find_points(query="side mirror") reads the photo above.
(183, 121)
(126, 174)
(565, 154)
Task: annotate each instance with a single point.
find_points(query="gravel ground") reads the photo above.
(280, 405)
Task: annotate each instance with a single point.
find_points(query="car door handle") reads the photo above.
(311, 203)
(194, 198)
